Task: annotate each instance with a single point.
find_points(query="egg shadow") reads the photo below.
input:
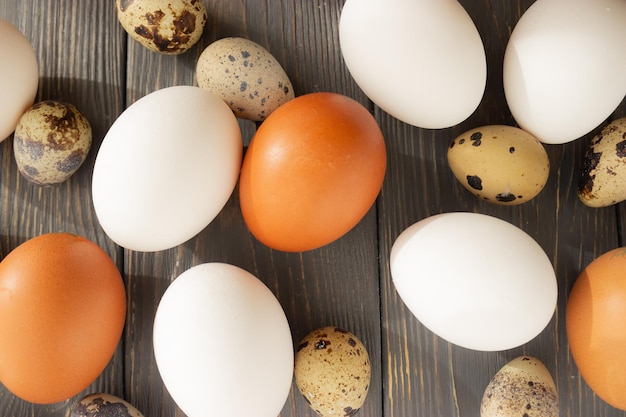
(144, 294)
(10, 242)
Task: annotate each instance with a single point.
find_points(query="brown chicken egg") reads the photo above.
(63, 308)
(313, 170)
(594, 320)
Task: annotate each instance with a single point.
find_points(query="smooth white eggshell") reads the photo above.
(474, 280)
(564, 67)
(166, 168)
(222, 344)
(19, 77)
(422, 62)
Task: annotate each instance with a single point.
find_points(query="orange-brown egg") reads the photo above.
(312, 171)
(63, 307)
(596, 328)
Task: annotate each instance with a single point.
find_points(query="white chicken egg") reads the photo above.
(564, 67)
(421, 61)
(222, 344)
(474, 280)
(19, 77)
(166, 168)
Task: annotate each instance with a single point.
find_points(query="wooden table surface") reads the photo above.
(87, 59)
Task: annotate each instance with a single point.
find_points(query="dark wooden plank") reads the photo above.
(425, 375)
(81, 61)
(334, 285)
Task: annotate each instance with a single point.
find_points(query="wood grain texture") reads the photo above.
(81, 61)
(87, 59)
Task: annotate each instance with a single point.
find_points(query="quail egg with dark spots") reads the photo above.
(245, 75)
(603, 171)
(521, 388)
(51, 142)
(333, 372)
(500, 164)
(167, 27)
(103, 405)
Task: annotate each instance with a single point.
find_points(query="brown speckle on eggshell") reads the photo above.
(245, 75)
(603, 168)
(521, 388)
(103, 405)
(51, 142)
(164, 26)
(333, 372)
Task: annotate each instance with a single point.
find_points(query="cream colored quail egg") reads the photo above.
(245, 75)
(51, 142)
(164, 26)
(500, 164)
(333, 371)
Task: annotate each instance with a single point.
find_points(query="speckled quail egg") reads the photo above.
(332, 371)
(521, 388)
(103, 405)
(603, 171)
(51, 142)
(247, 77)
(501, 164)
(164, 26)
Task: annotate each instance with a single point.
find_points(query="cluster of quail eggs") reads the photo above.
(244, 74)
(506, 165)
